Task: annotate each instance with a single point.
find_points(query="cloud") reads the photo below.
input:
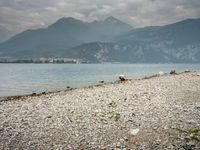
(19, 15)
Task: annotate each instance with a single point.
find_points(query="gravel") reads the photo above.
(158, 112)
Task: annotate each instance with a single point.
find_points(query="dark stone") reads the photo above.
(133, 114)
(130, 120)
(187, 71)
(173, 72)
(68, 87)
(34, 94)
(43, 92)
(189, 146)
(198, 107)
(110, 104)
(126, 139)
(101, 81)
(18, 97)
(122, 78)
(1, 129)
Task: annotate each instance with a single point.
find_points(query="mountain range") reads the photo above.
(110, 40)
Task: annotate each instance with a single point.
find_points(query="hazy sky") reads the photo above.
(19, 15)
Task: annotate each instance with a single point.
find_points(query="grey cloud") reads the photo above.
(19, 15)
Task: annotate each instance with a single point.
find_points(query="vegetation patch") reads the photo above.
(193, 134)
(114, 116)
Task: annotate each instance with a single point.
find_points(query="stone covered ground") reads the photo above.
(155, 113)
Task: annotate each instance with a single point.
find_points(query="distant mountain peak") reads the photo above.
(112, 19)
(66, 20)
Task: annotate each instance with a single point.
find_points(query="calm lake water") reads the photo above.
(21, 79)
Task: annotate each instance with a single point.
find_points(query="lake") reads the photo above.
(22, 79)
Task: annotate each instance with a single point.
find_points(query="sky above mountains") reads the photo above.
(19, 15)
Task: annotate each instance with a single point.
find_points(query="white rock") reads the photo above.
(187, 70)
(134, 131)
(161, 73)
(122, 77)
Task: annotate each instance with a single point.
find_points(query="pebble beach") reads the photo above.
(154, 113)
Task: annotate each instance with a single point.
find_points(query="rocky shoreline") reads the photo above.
(158, 112)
